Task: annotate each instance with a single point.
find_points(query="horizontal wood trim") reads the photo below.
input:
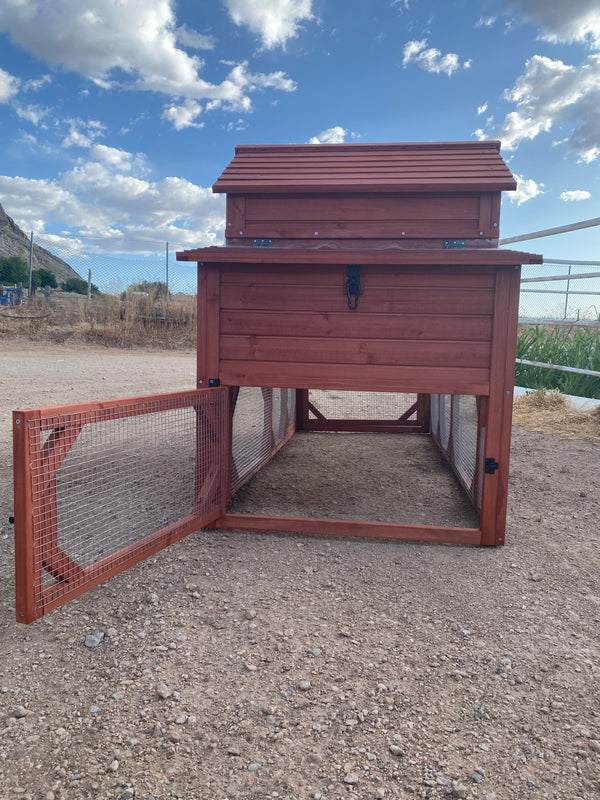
(345, 324)
(375, 300)
(477, 257)
(378, 275)
(341, 229)
(429, 380)
(353, 528)
(363, 426)
(432, 353)
(362, 208)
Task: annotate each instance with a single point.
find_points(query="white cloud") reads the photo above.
(31, 113)
(190, 38)
(485, 22)
(431, 59)
(9, 86)
(183, 116)
(482, 109)
(91, 197)
(119, 159)
(577, 21)
(527, 189)
(133, 44)
(549, 94)
(82, 132)
(335, 135)
(274, 21)
(574, 195)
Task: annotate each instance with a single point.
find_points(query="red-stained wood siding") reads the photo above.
(362, 216)
(425, 330)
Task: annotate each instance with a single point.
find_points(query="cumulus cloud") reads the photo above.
(431, 59)
(577, 21)
(274, 21)
(9, 86)
(482, 109)
(574, 195)
(183, 116)
(335, 135)
(82, 132)
(552, 94)
(527, 189)
(31, 113)
(134, 44)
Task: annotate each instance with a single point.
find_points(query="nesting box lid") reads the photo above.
(397, 167)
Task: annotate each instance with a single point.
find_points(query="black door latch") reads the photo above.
(353, 285)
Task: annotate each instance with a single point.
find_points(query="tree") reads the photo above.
(79, 286)
(13, 270)
(155, 289)
(43, 277)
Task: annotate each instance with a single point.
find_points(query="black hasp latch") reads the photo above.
(353, 285)
(491, 465)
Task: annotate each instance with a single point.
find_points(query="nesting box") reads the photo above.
(369, 269)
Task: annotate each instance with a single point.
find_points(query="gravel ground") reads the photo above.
(239, 665)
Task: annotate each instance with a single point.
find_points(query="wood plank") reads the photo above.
(430, 380)
(346, 324)
(365, 208)
(440, 228)
(432, 353)
(491, 257)
(213, 307)
(201, 374)
(23, 501)
(376, 300)
(351, 528)
(236, 213)
(497, 440)
(371, 275)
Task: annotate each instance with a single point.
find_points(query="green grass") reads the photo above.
(569, 347)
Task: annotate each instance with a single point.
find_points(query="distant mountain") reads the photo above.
(13, 242)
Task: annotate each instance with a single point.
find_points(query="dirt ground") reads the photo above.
(243, 666)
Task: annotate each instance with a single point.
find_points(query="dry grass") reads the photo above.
(553, 412)
(135, 321)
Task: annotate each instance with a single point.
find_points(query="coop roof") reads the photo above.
(408, 167)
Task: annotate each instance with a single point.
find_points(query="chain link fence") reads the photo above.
(560, 290)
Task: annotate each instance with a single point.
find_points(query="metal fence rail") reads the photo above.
(565, 290)
(101, 486)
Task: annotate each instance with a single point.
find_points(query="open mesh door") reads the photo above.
(101, 486)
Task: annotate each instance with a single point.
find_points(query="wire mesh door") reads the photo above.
(101, 486)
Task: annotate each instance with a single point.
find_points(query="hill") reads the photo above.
(13, 242)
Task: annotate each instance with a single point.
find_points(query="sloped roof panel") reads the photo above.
(414, 167)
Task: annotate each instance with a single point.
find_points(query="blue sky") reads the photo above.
(116, 116)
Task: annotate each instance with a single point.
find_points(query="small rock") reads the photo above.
(380, 793)
(233, 750)
(536, 576)
(181, 720)
(351, 778)
(250, 667)
(594, 745)
(94, 639)
(163, 691)
(127, 794)
(303, 686)
(20, 712)
(458, 790)
(94, 709)
(477, 776)
(152, 599)
(114, 765)
(254, 767)
(249, 613)
(395, 750)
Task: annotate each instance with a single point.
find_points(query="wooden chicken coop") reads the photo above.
(360, 290)
(366, 269)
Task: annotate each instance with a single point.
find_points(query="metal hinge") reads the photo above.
(262, 242)
(491, 465)
(454, 244)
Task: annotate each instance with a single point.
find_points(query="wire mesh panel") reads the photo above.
(361, 405)
(250, 434)
(455, 428)
(100, 486)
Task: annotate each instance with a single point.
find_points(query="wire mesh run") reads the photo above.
(261, 421)
(360, 405)
(109, 485)
(455, 428)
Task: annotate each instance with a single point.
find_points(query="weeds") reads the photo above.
(568, 347)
